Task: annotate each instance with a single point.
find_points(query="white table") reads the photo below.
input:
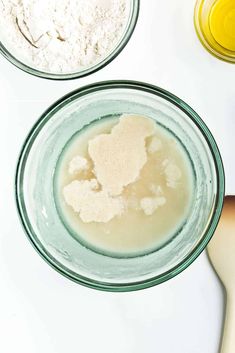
(41, 311)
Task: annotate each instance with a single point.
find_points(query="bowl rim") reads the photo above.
(134, 15)
(218, 203)
(202, 38)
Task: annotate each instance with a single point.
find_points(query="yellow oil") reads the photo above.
(215, 26)
(222, 23)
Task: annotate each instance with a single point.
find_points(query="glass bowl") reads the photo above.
(35, 176)
(202, 16)
(128, 31)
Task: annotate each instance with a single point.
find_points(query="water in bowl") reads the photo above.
(142, 213)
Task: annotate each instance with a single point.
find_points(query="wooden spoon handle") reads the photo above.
(228, 342)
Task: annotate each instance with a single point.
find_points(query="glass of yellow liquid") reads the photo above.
(215, 25)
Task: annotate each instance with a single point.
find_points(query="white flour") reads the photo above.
(62, 36)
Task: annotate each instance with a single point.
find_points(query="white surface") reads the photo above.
(40, 311)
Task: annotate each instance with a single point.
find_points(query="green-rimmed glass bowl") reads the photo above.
(35, 195)
(11, 55)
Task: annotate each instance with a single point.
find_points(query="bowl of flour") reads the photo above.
(65, 39)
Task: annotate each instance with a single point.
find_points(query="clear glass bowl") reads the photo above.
(35, 175)
(205, 34)
(130, 26)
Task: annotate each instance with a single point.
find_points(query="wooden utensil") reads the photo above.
(221, 250)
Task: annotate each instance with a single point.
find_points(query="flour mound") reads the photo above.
(93, 205)
(62, 36)
(118, 157)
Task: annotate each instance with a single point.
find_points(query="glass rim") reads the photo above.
(134, 15)
(208, 231)
(203, 40)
